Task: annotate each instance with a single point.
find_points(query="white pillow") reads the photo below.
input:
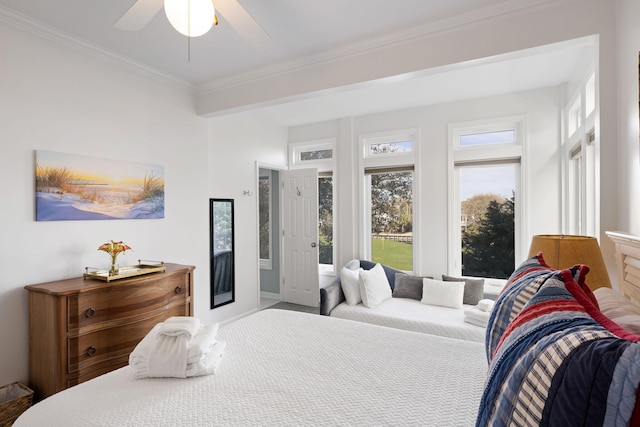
(374, 286)
(350, 286)
(446, 294)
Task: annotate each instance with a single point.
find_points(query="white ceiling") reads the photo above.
(299, 30)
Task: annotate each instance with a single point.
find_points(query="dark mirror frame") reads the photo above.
(221, 251)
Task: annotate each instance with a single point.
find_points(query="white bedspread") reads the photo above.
(412, 315)
(286, 368)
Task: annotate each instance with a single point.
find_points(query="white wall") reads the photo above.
(542, 110)
(237, 142)
(58, 99)
(628, 156)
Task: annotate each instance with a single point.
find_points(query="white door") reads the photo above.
(300, 245)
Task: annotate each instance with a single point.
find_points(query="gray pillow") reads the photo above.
(408, 286)
(473, 288)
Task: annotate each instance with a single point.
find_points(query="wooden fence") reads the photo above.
(403, 238)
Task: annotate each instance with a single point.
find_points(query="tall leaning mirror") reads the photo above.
(221, 252)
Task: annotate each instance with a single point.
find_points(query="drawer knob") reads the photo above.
(178, 290)
(89, 312)
(91, 350)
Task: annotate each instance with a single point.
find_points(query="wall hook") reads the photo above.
(247, 193)
(298, 191)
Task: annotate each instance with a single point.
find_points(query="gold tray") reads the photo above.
(124, 272)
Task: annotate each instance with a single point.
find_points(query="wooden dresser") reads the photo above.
(81, 328)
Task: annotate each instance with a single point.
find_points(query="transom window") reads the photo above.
(389, 145)
(487, 138)
(312, 154)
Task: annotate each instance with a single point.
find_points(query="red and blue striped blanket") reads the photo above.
(554, 358)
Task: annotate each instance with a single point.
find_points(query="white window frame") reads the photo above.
(323, 166)
(581, 172)
(485, 154)
(387, 160)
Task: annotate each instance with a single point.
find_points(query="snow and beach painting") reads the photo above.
(72, 187)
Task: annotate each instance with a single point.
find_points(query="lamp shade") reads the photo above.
(564, 251)
(192, 18)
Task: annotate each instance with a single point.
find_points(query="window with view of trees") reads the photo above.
(487, 220)
(264, 212)
(325, 219)
(392, 218)
(389, 182)
(486, 168)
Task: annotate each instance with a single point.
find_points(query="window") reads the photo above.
(484, 196)
(574, 117)
(389, 145)
(320, 155)
(389, 183)
(265, 214)
(487, 138)
(580, 172)
(590, 95)
(325, 219)
(391, 208)
(312, 154)
(487, 230)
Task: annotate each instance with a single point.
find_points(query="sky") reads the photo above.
(498, 179)
(98, 169)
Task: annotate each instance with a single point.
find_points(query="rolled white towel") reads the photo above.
(180, 325)
(139, 357)
(209, 364)
(475, 321)
(202, 342)
(485, 305)
(162, 355)
(478, 315)
(168, 357)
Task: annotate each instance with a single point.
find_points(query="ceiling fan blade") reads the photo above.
(139, 15)
(242, 22)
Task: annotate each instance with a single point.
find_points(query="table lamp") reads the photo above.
(564, 251)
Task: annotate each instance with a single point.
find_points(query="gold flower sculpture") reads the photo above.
(114, 249)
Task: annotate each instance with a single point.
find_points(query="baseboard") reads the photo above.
(240, 316)
(269, 295)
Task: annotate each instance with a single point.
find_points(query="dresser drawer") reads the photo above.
(91, 308)
(96, 350)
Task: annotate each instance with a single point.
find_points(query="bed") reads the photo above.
(411, 315)
(403, 308)
(289, 368)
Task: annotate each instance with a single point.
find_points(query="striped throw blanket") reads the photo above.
(554, 358)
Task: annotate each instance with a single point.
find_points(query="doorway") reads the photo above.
(269, 220)
(292, 278)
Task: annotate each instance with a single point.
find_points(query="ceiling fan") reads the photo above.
(143, 11)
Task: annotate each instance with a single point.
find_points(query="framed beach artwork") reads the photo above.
(72, 187)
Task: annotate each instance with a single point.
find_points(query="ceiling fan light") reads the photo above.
(192, 18)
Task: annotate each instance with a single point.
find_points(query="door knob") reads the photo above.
(313, 244)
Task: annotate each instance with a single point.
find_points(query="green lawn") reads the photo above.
(394, 254)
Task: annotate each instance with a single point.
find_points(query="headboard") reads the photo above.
(628, 263)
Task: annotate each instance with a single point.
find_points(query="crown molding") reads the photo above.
(398, 38)
(38, 28)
